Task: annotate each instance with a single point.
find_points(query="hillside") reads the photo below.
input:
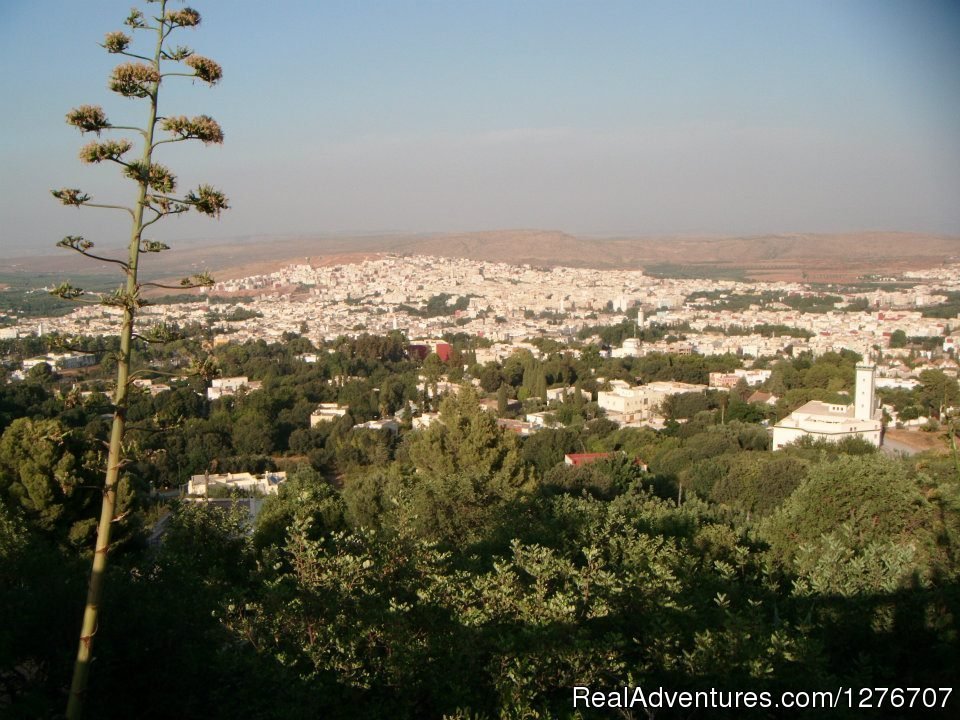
(816, 257)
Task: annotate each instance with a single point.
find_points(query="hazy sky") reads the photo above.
(594, 117)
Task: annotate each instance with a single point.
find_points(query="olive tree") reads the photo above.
(140, 77)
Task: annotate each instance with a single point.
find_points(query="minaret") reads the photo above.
(864, 399)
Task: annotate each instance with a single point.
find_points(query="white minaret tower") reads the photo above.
(864, 399)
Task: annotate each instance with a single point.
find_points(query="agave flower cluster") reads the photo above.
(153, 246)
(71, 196)
(208, 200)
(166, 205)
(188, 17)
(179, 53)
(140, 78)
(67, 291)
(134, 79)
(156, 176)
(109, 150)
(88, 118)
(75, 242)
(205, 68)
(116, 42)
(202, 127)
(135, 19)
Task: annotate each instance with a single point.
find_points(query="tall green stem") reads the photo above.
(81, 668)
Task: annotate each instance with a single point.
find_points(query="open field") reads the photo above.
(918, 440)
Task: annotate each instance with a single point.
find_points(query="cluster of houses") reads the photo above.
(56, 361)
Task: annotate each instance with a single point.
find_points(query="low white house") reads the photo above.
(441, 387)
(327, 412)
(154, 388)
(224, 387)
(61, 361)
(391, 425)
(561, 392)
(266, 484)
(421, 422)
(540, 419)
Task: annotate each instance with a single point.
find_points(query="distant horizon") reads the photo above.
(184, 243)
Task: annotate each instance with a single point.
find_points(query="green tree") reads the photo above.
(758, 482)
(42, 473)
(464, 467)
(684, 405)
(502, 400)
(898, 339)
(304, 495)
(251, 434)
(490, 377)
(938, 391)
(873, 495)
(140, 78)
(547, 448)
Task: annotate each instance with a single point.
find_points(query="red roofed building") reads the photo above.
(418, 352)
(580, 459)
(443, 351)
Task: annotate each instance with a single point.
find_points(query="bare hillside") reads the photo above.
(822, 257)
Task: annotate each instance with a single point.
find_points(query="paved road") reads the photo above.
(158, 530)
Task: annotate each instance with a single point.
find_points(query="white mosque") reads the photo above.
(836, 422)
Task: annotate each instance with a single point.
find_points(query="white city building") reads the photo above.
(266, 484)
(630, 404)
(624, 401)
(836, 422)
(225, 387)
(327, 412)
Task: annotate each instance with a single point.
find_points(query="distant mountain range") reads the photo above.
(792, 256)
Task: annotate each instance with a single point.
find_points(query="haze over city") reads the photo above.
(624, 118)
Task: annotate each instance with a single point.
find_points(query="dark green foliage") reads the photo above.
(938, 391)
(462, 468)
(872, 496)
(758, 483)
(947, 310)
(762, 329)
(694, 369)
(238, 314)
(898, 339)
(438, 306)
(808, 302)
(605, 478)
(547, 448)
(462, 570)
(616, 334)
(684, 405)
(305, 496)
(42, 473)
